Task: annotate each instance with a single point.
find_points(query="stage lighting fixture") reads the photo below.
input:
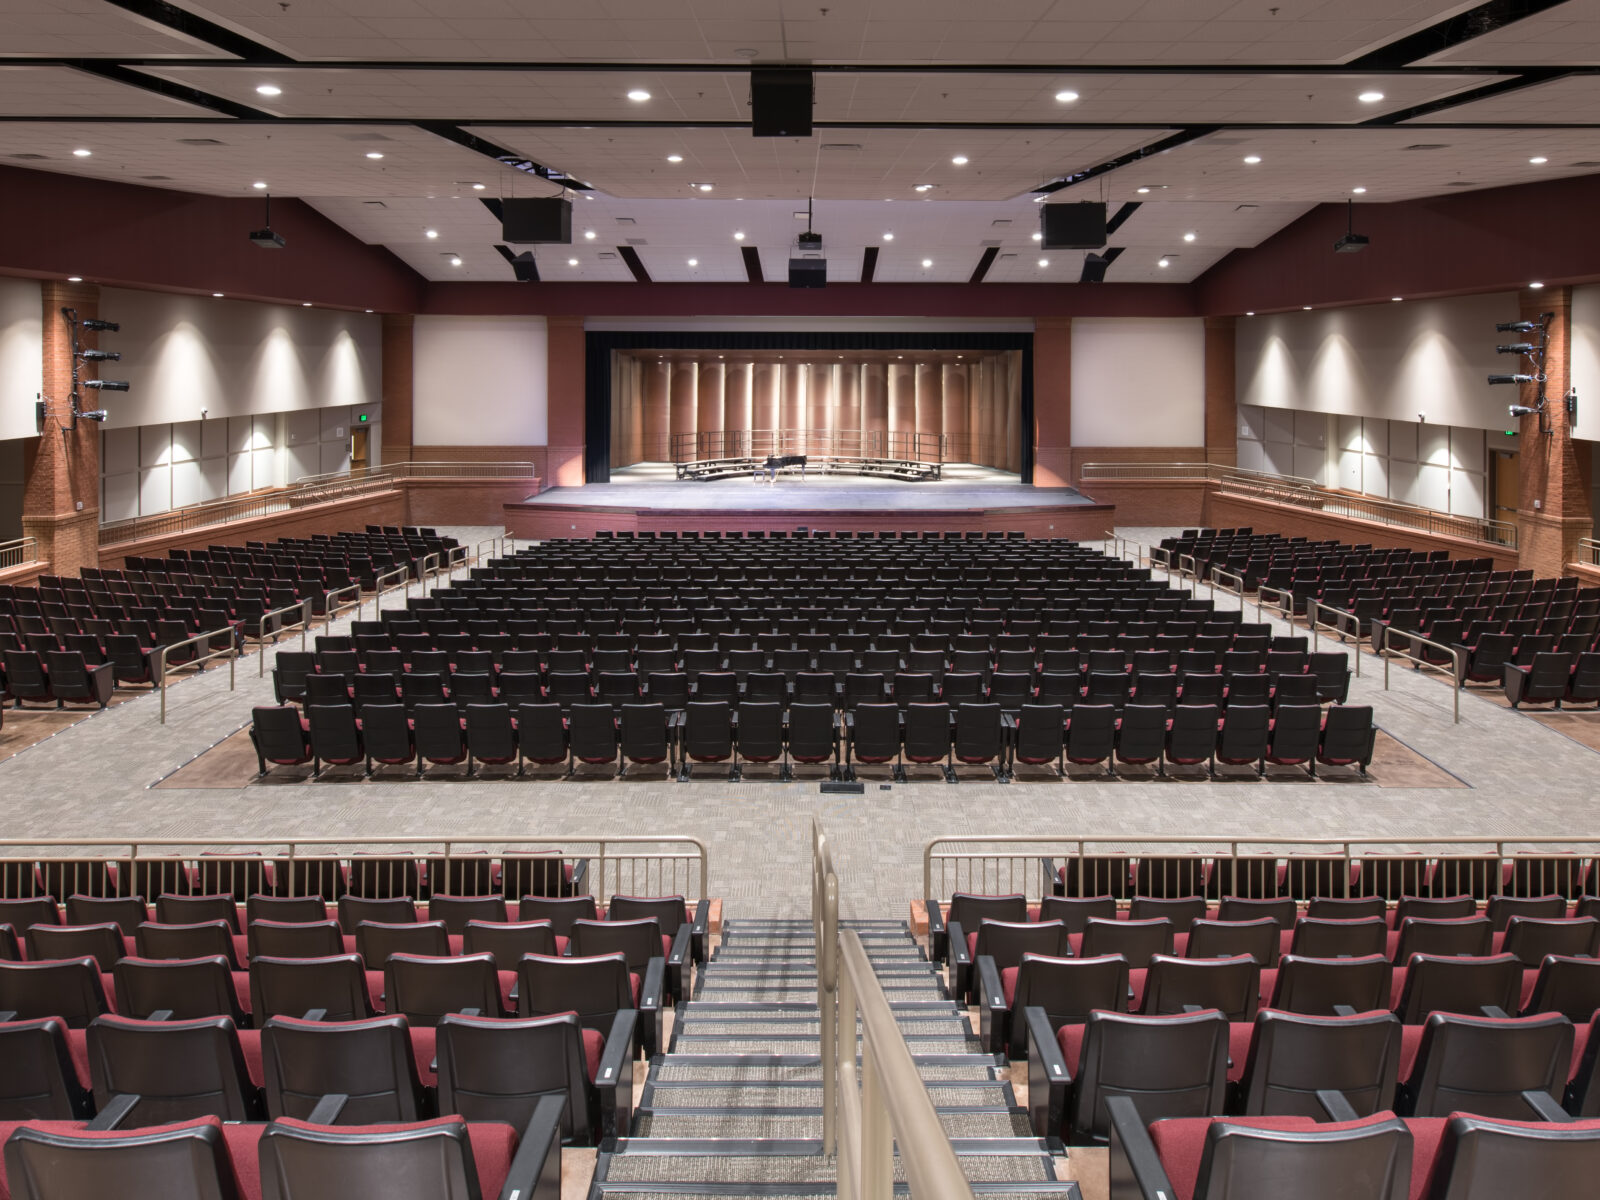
(1520, 410)
(1516, 327)
(102, 326)
(95, 414)
(106, 385)
(100, 356)
(1517, 348)
(1497, 379)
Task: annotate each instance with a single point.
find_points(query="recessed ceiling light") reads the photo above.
(430, 233)
(1066, 97)
(268, 89)
(1537, 160)
(960, 160)
(259, 184)
(1370, 97)
(305, 304)
(1040, 199)
(1188, 237)
(369, 310)
(694, 262)
(927, 262)
(1536, 286)
(81, 153)
(477, 187)
(1044, 262)
(588, 234)
(1144, 191)
(1358, 191)
(738, 236)
(1305, 308)
(674, 158)
(1163, 262)
(374, 154)
(888, 237)
(1250, 314)
(1252, 159)
(1038, 237)
(705, 187)
(218, 296)
(1396, 299)
(638, 94)
(572, 262)
(74, 278)
(924, 187)
(455, 260)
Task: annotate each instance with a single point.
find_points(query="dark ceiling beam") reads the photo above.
(452, 132)
(167, 16)
(118, 73)
(1120, 217)
(752, 264)
(1449, 33)
(635, 264)
(1171, 142)
(523, 265)
(869, 263)
(1533, 78)
(984, 263)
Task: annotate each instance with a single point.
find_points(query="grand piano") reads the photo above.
(776, 462)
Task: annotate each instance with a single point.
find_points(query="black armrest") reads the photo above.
(700, 930)
(1493, 1011)
(614, 1078)
(1344, 1010)
(1337, 1106)
(993, 1012)
(960, 963)
(1048, 865)
(535, 1172)
(315, 1014)
(580, 878)
(677, 964)
(1048, 1076)
(328, 1109)
(1515, 680)
(1136, 1170)
(937, 945)
(650, 1016)
(472, 1012)
(7, 1016)
(160, 1014)
(1544, 1108)
(114, 1113)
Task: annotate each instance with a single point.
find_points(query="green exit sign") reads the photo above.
(362, 419)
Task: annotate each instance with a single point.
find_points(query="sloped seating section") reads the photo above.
(736, 651)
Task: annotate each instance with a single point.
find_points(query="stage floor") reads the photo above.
(656, 485)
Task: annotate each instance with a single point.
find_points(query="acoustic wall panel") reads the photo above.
(480, 381)
(1138, 382)
(21, 356)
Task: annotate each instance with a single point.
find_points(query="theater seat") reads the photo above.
(372, 1061)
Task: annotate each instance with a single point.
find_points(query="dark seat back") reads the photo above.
(372, 1061)
(1170, 1066)
(180, 1070)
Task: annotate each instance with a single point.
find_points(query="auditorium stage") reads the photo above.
(649, 496)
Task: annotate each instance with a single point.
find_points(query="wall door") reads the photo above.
(358, 448)
(1506, 485)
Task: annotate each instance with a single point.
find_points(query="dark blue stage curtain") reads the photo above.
(599, 347)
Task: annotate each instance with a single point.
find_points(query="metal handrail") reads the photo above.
(332, 608)
(1284, 611)
(825, 928)
(1458, 660)
(401, 573)
(18, 551)
(866, 1112)
(213, 851)
(243, 508)
(1589, 549)
(1307, 493)
(431, 470)
(1219, 574)
(1188, 570)
(304, 609)
(891, 1105)
(1019, 868)
(1340, 615)
(231, 653)
(713, 445)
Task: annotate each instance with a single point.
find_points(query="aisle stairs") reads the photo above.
(734, 1108)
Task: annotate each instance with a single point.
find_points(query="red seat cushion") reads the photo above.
(1008, 983)
(593, 1044)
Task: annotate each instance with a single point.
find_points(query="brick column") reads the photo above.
(61, 495)
(1553, 504)
(1052, 403)
(566, 397)
(1222, 409)
(397, 386)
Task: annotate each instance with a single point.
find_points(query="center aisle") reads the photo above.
(735, 1107)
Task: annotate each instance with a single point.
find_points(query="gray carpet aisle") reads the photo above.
(734, 1107)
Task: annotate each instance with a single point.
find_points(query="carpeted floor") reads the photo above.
(25, 727)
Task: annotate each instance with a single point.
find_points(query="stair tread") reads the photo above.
(766, 1124)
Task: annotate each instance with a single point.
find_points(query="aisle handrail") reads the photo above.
(1340, 615)
(825, 928)
(303, 607)
(1458, 659)
(1279, 595)
(230, 652)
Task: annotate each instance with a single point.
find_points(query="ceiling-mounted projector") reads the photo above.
(267, 240)
(1352, 243)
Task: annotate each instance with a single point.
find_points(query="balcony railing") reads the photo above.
(1308, 494)
(18, 551)
(312, 489)
(1589, 552)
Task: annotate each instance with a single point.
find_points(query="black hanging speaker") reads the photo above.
(545, 220)
(780, 102)
(808, 272)
(1073, 226)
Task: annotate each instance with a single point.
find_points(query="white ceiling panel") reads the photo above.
(89, 28)
(858, 164)
(900, 31)
(50, 91)
(1568, 34)
(1572, 100)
